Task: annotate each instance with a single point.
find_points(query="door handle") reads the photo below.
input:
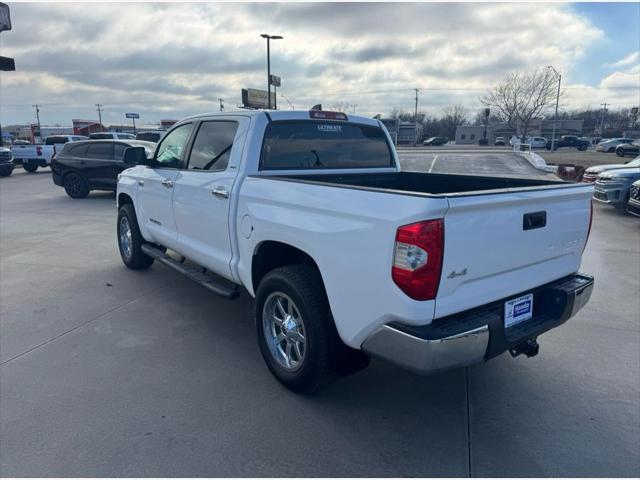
(141, 183)
(220, 192)
(167, 183)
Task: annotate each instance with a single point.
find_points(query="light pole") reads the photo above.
(555, 118)
(269, 38)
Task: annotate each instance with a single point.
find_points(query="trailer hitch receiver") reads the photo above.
(529, 347)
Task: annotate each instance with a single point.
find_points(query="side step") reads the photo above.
(216, 284)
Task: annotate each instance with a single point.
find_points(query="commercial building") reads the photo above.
(470, 134)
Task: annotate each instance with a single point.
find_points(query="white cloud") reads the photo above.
(629, 60)
(177, 59)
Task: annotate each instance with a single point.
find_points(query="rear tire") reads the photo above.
(30, 166)
(75, 185)
(294, 328)
(130, 240)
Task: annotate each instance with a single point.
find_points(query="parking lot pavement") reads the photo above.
(470, 162)
(109, 372)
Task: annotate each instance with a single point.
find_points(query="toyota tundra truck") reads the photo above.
(347, 256)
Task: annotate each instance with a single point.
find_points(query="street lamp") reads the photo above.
(555, 119)
(269, 38)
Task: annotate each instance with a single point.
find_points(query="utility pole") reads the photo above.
(37, 113)
(99, 110)
(269, 38)
(604, 111)
(354, 107)
(555, 118)
(415, 117)
(221, 104)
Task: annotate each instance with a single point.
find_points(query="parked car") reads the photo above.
(570, 141)
(111, 136)
(435, 141)
(591, 174)
(609, 145)
(625, 149)
(613, 186)
(499, 141)
(633, 205)
(537, 142)
(33, 156)
(6, 162)
(348, 256)
(92, 165)
(154, 136)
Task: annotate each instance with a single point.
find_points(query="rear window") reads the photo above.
(101, 136)
(312, 144)
(55, 140)
(75, 150)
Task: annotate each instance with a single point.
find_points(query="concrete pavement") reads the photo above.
(109, 372)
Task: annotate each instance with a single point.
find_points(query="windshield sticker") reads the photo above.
(329, 128)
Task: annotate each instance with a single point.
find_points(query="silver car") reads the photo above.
(613, 186)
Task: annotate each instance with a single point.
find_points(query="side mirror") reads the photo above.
(135, 156)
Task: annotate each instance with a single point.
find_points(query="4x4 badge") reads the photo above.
(455, 274)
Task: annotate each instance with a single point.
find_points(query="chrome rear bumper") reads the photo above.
(468, 338)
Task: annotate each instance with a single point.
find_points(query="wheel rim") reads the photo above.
(126, 243)
(283, 329)
(73, 184)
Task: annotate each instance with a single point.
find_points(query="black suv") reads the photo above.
(92, 165)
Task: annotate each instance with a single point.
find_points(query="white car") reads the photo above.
(346, 255)
(610, 144)
(33, 156)
(533, 142)
(537, 142)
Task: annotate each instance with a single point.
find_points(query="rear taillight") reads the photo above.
(590, 223)
(39, 151)
(417, 262)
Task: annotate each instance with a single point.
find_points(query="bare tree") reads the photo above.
(453, 117)
(522, 97)
(341, 106)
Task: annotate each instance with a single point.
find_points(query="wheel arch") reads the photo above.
(270, 254)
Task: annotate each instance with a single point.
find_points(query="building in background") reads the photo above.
(471, 134)
(85, 127)
(409, 133)
(392, 126)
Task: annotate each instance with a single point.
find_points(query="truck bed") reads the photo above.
(420, 183)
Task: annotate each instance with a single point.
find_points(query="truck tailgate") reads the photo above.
(501, 244)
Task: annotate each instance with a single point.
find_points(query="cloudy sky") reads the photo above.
(169, 60)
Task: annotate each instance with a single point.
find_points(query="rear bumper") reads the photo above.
(479, 334)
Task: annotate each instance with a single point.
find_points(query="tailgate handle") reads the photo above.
(531, 221)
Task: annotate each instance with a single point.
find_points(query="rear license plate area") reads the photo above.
(518, 310)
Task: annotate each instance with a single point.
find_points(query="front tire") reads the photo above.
(294, 328)
(620, 152)
(30, 166)
(75, 185)
(5, 171)
(130, 240)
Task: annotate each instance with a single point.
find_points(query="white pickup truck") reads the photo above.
(346, 255)
(33, 156)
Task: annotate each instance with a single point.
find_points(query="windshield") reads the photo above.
(312, 144)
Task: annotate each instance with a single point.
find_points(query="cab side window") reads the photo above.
(212, 147)
(170, 150)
